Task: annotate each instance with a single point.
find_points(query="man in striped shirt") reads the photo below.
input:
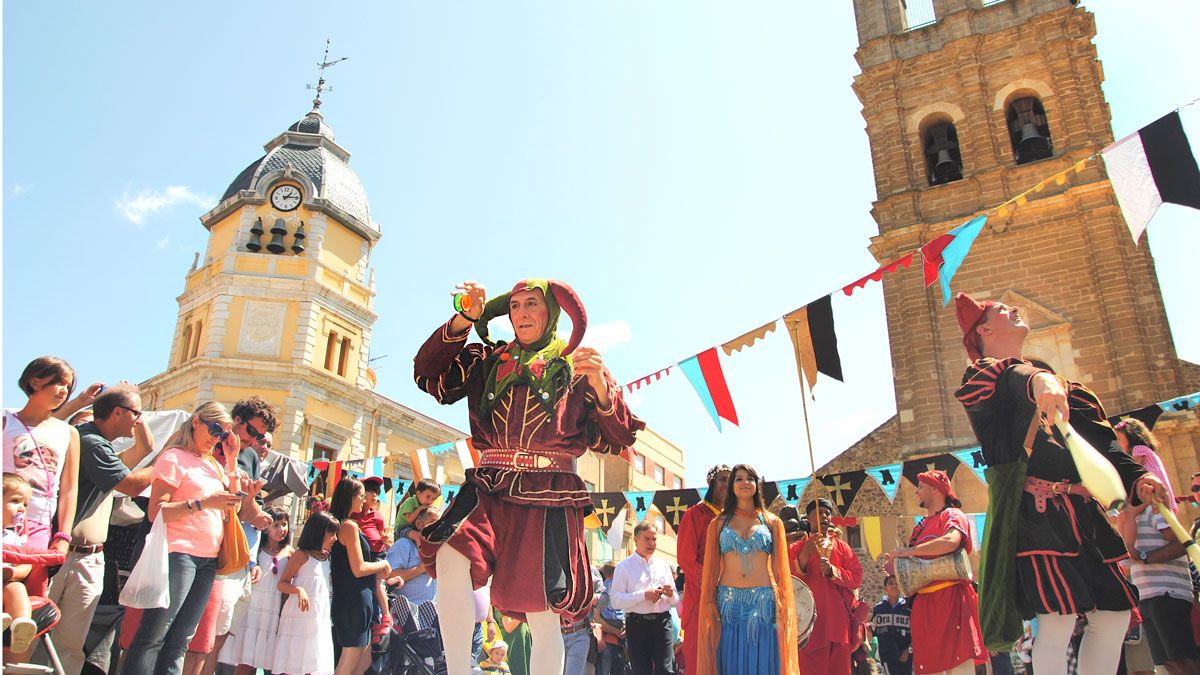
(1160, 572)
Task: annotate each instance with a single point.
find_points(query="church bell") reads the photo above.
(277, 232)
(1033, 145)
(255, 243)
(298, 243)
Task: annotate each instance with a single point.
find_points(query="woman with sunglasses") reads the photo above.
(191, 491)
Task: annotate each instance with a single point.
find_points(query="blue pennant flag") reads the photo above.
(980, 523)
(449, 492)
(792, 490)
(641, 503)
(973, 459)
(1189, 402)
(441, 448)
(888, 477)
(400, 486)
(375, 467)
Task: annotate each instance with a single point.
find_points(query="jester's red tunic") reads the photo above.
(945, 615)
(526, 529)
(1066, 550)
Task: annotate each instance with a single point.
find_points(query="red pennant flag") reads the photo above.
(931, 254)
(878, 274)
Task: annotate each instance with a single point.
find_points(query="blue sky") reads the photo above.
(677, 162)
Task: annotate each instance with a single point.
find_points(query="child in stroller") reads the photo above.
(415, 643)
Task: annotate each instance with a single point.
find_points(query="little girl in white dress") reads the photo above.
(304, 642)
(252, 644)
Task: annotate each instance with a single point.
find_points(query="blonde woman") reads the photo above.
(191, 490)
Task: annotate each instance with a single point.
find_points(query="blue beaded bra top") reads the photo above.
(759, 540)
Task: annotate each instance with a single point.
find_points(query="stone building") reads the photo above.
(972, 107)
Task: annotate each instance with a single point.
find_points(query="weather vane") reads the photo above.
(320, 85)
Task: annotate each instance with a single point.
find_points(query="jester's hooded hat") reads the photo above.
(544, 365)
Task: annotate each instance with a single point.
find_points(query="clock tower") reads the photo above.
(281, 305)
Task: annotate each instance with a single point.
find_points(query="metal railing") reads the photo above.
(918, 13)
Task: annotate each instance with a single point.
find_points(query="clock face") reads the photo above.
(285, 197)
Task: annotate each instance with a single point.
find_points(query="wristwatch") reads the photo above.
(1143, 556)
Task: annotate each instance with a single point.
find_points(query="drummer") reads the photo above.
(945, 617)
(830, 568)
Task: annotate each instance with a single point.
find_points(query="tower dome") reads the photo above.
(306, 151)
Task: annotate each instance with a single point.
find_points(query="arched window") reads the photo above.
(943, 162)
(1028, 130)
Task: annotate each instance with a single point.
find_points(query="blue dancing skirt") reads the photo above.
(749, 639)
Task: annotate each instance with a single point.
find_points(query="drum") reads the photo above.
(806, 610)
(913, 574)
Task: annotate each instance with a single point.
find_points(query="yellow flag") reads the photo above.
(873, 534)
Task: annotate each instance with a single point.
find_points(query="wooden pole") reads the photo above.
(804, 408)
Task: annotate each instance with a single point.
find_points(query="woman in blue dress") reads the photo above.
(747, 610)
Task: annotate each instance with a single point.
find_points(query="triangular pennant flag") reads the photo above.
(873, 535)
(980, 523)
(813, 334)
(398, 484)
(419, 459)
(770, 491)
(441, 448)
(449, 492)
(641, 503)
(1189, 402)
(973, 458)
(917, 520)
(748, 338)
(355, 467)
(888, 477)
(672, 504)
(1152, 166)
(944, 255)
(606, 505)
(704, 372)
(947, 462)
(335, 476)
(877, 275)
(374, 467)
(653, 377)
(843, 488)
(1148, 415)
(616, 529)
(467, 454)
(792, 490)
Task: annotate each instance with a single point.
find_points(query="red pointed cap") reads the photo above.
(970, 313)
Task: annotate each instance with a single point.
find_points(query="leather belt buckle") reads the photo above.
(1066, 488)
(528, 460)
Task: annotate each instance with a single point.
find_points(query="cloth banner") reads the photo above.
(355, 467)
(973, 458)
(1147, 415)
(943, 255)
(1189, 402)
(616, 530)
(770, 491)
(653, 377)
(843, 488)
(419, 459)
(640, 502)
(1150, 167)
(980, 523)
(948, 463)
(873, 535)
(877, 275)
(748, 338)
(704, 372)
(672, 504)
(441, 448)
(606, 505)
(468, 456)
(813, 334)
(888, 477)
(449, 492)
(792, 490)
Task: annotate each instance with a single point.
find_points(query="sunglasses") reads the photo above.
(1196, 488)
(217, 431)
(254, 433)
(132, 411)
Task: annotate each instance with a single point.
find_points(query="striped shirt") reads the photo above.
(1152, 580)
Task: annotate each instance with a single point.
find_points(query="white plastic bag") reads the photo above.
(147, 586)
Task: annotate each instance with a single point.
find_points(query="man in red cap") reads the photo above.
(946, 637)
(536, 405)
(1049, 550)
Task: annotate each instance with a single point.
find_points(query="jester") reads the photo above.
(537, 404)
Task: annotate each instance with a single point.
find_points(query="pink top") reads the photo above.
(192, 477)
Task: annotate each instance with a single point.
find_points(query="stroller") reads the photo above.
(415, 643)
(45, 613)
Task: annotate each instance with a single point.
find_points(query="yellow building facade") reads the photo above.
(281, 305)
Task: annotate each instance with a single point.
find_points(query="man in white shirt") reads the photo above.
(644, 587)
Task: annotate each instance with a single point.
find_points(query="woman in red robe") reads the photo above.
(536, 405)
(690, 552)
